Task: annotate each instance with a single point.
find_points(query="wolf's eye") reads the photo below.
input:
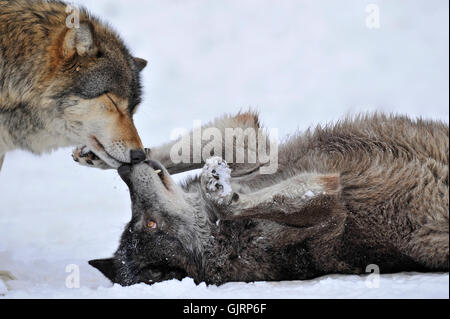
(151, 224)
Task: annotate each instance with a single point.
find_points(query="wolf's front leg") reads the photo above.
(5, 276)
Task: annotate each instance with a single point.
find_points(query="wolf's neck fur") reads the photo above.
(37, 132)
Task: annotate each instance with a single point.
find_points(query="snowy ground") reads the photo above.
(298, 62)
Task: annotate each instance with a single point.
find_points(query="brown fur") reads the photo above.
(63, 86)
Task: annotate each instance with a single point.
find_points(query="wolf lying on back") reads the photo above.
(373, 190)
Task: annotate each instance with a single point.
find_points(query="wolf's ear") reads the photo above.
(106, 267)
(140, 63)
(79, 40)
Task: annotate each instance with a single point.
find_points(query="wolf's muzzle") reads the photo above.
(125, 173)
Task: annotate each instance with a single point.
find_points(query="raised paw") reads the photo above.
(216, 181)
(83, 156)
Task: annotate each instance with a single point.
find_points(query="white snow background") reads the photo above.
(298, 62)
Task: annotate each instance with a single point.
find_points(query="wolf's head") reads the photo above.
(67, 82)
(167, 232)
(98, 91)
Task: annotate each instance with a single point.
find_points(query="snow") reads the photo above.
(334, 286)
(3, 288)
(298, 62)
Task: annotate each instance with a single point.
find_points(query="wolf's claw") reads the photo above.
(83, 156)
(215, 179)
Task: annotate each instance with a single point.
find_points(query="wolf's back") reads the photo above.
(394, 175)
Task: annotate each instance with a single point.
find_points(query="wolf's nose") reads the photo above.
(137, 156)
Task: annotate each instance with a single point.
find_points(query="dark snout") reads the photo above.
(125, 173)
(137, 156)
(131, 173)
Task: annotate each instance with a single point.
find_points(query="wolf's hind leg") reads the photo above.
(429, 245)
(303, 200)
(2, 158)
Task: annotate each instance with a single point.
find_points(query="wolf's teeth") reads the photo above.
(158, 171)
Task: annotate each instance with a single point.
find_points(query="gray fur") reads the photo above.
(369, 190)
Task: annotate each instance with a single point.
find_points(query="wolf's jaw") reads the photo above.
(111, 161)
(99, 150)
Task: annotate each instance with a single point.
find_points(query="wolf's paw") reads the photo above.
(216, 181)
(5, 276)
(83, 156)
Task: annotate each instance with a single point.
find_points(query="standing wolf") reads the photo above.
(66, 84)
(63, 86)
